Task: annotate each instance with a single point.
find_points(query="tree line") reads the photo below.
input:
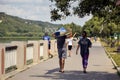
(105, 21)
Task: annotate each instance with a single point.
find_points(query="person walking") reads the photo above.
(84, 43)
(62, 47)
(46, 37)
(70, 43)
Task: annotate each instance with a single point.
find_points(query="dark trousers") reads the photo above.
(85, 60)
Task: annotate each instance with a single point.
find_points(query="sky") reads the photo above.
(36, 10)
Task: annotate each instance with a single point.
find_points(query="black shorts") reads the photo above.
(49, 46)
(69, 47)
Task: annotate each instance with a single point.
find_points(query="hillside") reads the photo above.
(15, 26)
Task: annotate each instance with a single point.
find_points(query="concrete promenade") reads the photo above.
(100, 67)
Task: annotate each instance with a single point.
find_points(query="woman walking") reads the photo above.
(70, 43)
(84, 44)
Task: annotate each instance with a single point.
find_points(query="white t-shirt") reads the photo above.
(70, 41)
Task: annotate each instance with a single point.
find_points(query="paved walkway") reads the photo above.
(99, 68)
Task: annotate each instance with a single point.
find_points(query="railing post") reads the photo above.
(52, 47)
(36, 56)
(2, 62)
(45, 48)
(21, 54)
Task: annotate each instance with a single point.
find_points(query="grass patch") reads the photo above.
(112, 51)
(108, 48)
(116, 58)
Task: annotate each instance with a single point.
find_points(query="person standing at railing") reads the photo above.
(46, 37)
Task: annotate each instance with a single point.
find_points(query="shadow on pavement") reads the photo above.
(77, 75)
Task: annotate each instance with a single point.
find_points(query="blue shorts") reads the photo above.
(62, 53)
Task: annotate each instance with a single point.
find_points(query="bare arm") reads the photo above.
(53, 35)
(66, 44)
(74, 35)
(77, 49)
(90, 44)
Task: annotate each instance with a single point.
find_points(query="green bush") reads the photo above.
(116, 58)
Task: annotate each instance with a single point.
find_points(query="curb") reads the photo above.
(13, 73)
(114, 63)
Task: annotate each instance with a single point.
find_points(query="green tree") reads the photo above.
(75, 28)
(93, 26)
(101, 8)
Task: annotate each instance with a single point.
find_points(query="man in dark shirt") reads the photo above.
(61, 46)
(62, 51)
(84, 44)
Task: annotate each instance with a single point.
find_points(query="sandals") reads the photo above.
(61, 71)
